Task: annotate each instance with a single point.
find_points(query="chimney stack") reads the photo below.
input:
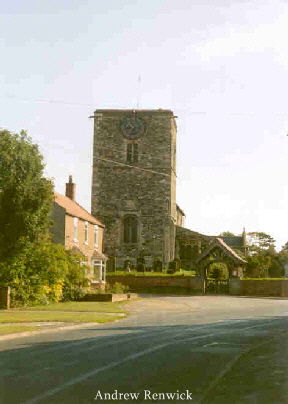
(70, 189)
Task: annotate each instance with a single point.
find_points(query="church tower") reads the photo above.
(134, 183)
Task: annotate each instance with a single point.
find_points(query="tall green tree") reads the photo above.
(25, 195)
(227, 234)
(258, 266)
(260, 242)
(285, 247)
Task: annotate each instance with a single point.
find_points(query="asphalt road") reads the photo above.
(200, 349)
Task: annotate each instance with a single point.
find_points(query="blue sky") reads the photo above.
(220, 65)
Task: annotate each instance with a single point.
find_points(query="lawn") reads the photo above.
(72, 312)
(13, 316)
(97, 307)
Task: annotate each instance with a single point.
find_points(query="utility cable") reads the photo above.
(130, 166)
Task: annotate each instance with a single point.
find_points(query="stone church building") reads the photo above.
(134, 189)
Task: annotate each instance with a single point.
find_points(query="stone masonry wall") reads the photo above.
(254, 287)
(136, 283)
(146, 190)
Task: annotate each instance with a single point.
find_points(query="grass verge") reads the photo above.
(71, 317)
(11, 329)
(99, 307)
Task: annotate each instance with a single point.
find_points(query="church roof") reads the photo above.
(183, 233)
(72, 208)
(233, 241)
(218, 242)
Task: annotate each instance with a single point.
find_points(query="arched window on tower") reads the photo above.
(130, 229)
(132, 153)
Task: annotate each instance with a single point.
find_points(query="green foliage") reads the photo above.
(37, 270)
(258, 265)
(283, 257)
(285, 247)
(227, 234)
(218, 270)
(44, 272)
(260, 242)
(117, 287)
(276, 269)
(75, 280)
(25, 195)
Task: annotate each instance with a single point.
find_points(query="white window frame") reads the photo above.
(101, 270)
(76, 229)
(86, 227)
(96, 235)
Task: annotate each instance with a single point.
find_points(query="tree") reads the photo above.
(226, 234)
(283, 257)
(44, 272)
(218, 270)
(258, 265)
(25, 195)
(260, 243)
(285, 247)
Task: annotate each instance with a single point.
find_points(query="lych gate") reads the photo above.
(219, 253)
(211, 257)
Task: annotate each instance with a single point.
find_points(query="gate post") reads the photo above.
(235, 286)
(5, 297)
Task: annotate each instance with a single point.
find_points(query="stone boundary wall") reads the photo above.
(108, 297)
(5, 298)
(254, 287)
(167, 283)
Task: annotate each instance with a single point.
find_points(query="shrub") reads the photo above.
(117, 287)
(43, 273)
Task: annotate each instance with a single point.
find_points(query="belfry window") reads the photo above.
(130, 229)
(132, 153)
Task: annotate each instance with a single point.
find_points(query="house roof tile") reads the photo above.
(74, 209)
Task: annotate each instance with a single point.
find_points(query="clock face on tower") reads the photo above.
(132, 127)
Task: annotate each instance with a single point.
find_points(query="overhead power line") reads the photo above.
(175, 108)
(135, 167)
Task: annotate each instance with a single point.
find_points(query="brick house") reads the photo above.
(76, 229)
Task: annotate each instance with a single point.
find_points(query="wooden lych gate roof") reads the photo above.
(219, 243)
